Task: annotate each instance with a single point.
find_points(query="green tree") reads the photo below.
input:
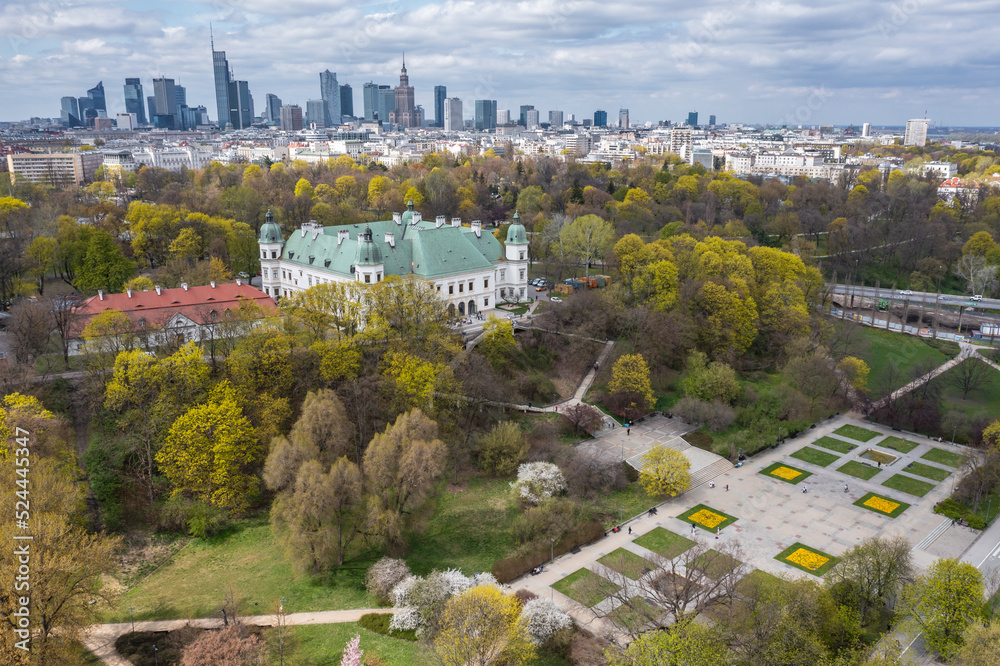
(942, 603)
(41, 254)
(187, 246)
(872, 573)
(482, 626)
(503, 449)
(498, 342)
(980, 244)
(855, 372)
(664, 472)
(709, 380)
(980, 645)
(687, 643)
(104, 265)
(303, 187)
(588, 238)
(630, 389)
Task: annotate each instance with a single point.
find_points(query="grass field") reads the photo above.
(829, 563)
(635, 616)
(985, 398)
(815, 456)
(715, 564)
(838, 445)
(586, 587)
(324, 644)
(664, 542)
(757, 577)
(627, 563)
(927, 471)
(883, 349)
(907, 485)
(856, 432)
(785, 473)
(943, 457)
(858, 470)
(193, 583)
(897, 444)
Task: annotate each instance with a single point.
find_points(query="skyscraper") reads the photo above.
(151, 105)
(523, 119)
(133, 100)
(96, 96)
(503, 116)
(405, 109)
(531, 119)
(600, 118)
(486, 114)
(272, 108)
(440, 93)
(222, 79)
(692, 118)
(166, 104)
(346, 101)
(555, 119)
(711, 120)
(370, 99)
(329, 90)
(232, 97)
(386, 104)
(452, 118)
(623, 119)
(291, 117)
(240, 104)
(317, 112)
(69, 112)
(916, 132)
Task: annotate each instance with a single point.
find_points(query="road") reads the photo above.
(919, 297)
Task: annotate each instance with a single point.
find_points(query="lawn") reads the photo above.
(882, 505)
(943, 457)
(707, 518)
(586, 587)
(632, 497)
(324, 644)
(785, 473)
(664, 542)
(907, 485)
(627, 563)
(815, 456)
(807, 559)
(715, 564)
(757, 577)
(927, 471)
(858, 470)
(885, 349)
(981, 401)
(467, 528)
(897, 444)
(838, 445)
(856, 432)
(193, 582)
(635, 616)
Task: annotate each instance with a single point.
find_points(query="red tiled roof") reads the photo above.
(195, 303)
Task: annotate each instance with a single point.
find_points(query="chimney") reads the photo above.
(129, 292)
(342, 235)
(397, 218)
(212, 283)
(456, 221)
(416, 217)
(100, 294)
(390, 238)
(158, 290)
(184, 286)
(239, 283)
(439, 221)
(477, 227)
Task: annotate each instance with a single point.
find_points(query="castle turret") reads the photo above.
(271, 244)
(517, 240)
(368, 264)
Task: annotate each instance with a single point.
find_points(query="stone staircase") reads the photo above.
(706, 474)
(926, 542)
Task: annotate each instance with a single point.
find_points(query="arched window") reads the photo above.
(472, 307)
(461, 309)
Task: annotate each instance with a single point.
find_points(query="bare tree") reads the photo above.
(30, 326)
(64, 319)
(969, 375)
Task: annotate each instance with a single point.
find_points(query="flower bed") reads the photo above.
(883, 505)
(807, 559)
(785, 473)
(707, 518)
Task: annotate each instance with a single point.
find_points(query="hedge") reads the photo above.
(510, 568)
(379, 623)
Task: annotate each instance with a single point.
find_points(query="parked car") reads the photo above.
(556, 299)
(977, 297)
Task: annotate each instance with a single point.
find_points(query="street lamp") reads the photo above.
(953, 431)
(281, 632)
(156, 655)
(552, 551)
(131, 612)
(621, 514)
(779, 434)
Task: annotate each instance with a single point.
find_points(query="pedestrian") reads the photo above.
(692, 529)
(716, 533)
(628, 432)
(711, 484)
(557, 409)
(630, 530)
(845, 487)
(803, 489)
(727, 487)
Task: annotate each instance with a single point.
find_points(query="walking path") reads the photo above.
(967, 351)
(100, 638)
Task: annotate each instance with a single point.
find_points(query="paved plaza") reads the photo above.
(772, 513)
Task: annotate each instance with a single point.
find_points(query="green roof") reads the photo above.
(421, 249)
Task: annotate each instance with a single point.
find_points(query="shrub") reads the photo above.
(542, 523)
(544, 619)
(586, 475)
(510, 568)
(539, 481)
(710, 382)
(586, 419)
(384, 576)
(716, 415)
(525, 596)
(379, 623)
(502, 449)
(420, 601)
(198, 518)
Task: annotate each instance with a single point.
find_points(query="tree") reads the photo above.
(980, 645)
(233, 644)
(324, 425)
(497, 344)
(41, 254)
(980, 243)
(481, 626)
(104, 267)
(991, 436)
(353, 652)
(872, 573)
(187, 246)
(539, 481)
(586, 419)
(979, 275)
(64, 318)
(30, 327)
(710, 380)
(943, 603)
(384, 576)
(630, 387)
(502, 449)
(401, 467)
(212, 451)
(544, 619)
(664, 472)
(687, 643)
(970, 375)
(588, 238)
(855, 371)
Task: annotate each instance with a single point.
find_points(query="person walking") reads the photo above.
(845, 487)
(630, 530)
(727, 487)
(803, 490)
(628, 432)
(693, 528)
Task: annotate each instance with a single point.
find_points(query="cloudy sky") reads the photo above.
(758, 61)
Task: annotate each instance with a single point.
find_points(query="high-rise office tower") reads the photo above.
(222, 80)
(181, 92)
(523, 118)
(386, 104)
(291, 117)
(151, 105)
(711, 120)
(405, 108)
(916, 132)
(316, 112)
(346, 101)
(370, 99)
(486, 114)
(866, 129)
(133, 100)
(531, 120)
(240, 105)
(623, 119)
(69, 112)
(440, 93)
(166, 104)
(329, 91)
(555, 119)
(692, 118)
(452, 115)
(272, 108)
(96, 96)
(600, 118)
(503, 116)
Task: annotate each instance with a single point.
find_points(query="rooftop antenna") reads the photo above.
(211, 35)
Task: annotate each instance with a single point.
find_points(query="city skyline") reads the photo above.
(743, 61)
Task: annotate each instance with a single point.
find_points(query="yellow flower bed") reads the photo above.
(786, 473)
(807, 559)
(708, 518)
(883, 505)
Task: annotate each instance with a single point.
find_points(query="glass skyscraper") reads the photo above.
(134, 100)
(329, 91)
(346, 100)
(440, 94)
(486, 114)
